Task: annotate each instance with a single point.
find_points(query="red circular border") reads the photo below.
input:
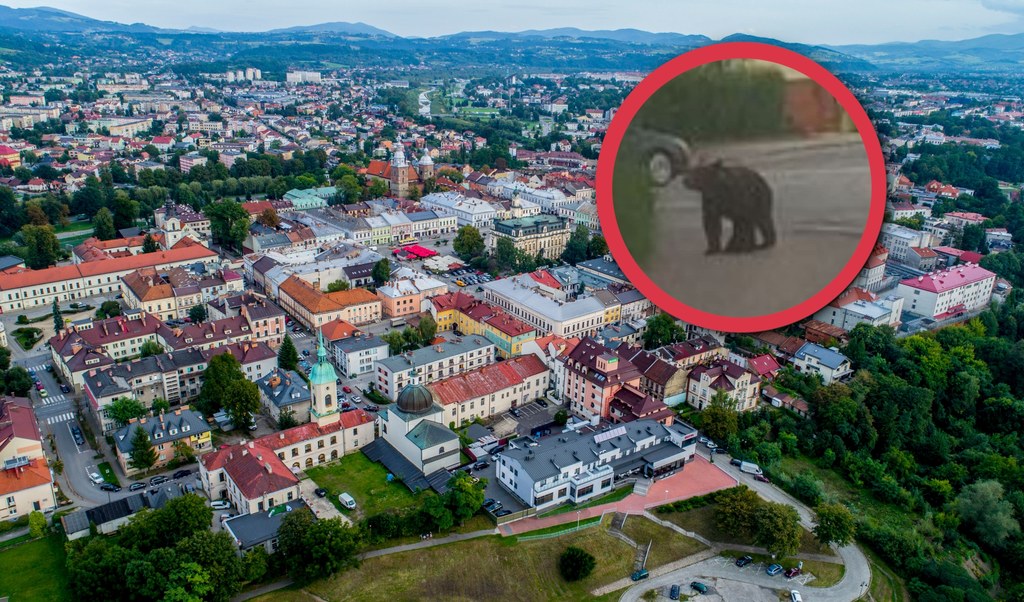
(651, 84)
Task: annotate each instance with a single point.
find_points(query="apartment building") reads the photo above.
(454, 356)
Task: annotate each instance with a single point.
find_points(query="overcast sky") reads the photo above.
(807, 21)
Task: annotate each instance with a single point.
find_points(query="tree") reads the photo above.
(149, 244)
(5, 358)
(123, 409)
(378, 189)
(736, 510)
(505, 254)
(255, 563)
(720, 419)
(242, 400)
(103, 225)
(58, 319)
(17, 381)
(197, 313)
(160, 405)
(576, 563)
(381, 271)
(313, 549)
(190, 582)
(561, 417)
(11, 214)
(395, 341)
(438, 514)
(286, 419)
(108, 309)
(338, 285)
(287, 355)
(217, 554)
(985, 513)
(464, 497)
(222, 370)
(125, 210)
(807, 488)
(269, 218)
(150, 348)
(36, 524)
(662, 329)
(834, 524)
(143, 456)
(35, 214)
(576, 248)
(41, 246)
(89, 199)
(597, 247)
(468, 243)
(229, 222)
(427, 329)
(778, 529)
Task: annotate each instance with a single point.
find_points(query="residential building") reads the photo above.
(900, 239)
(285, 391)
(859, 306)
(359, 354)
(576, 467)
(831, 365)
(661, 379)
(871, 275)
(166, 432)
(553, 351)
(260, 529)
(593, 375)
(546, 234)
(172, 293)
(949, 293)
(313, 308)
(741, 386)
(630, 404)
(692, 352)
(454, 356)
(26, 484)
(491, 390)
(408, 292)
(525, 298)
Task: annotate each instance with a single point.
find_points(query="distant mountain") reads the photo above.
(828, 57)
(629, 36)
(992, 52)
(45, 19)
(343, 27)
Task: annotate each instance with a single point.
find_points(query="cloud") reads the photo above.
(1005, 6)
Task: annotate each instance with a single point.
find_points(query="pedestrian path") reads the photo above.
(39, 368)
(60, 418)
(49, 401)
(297, 335)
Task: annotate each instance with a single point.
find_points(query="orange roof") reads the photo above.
(307, 296)
(35, 474)
(338, 329)
(354, 296)
(23, 278)
(565, 346)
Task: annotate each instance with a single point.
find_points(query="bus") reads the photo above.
(407, 241)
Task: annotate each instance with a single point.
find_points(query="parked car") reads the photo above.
(735, 461)
(702, 440)
(794, 596)
(762, 478)
(356, 398)
(182, 473)
(39, 386)
(157, 480)
(638, 575)
(110, 487)
(504, 512)
(742, 562)
(136, 486)
(96, 478)
(226, 516)
(482, 464)
(220, 504)
(673, 593)
(711, 445)
(32, 373)
(320, 492)
(76, 433)
(347, 501)
(542, 403)
(371, 408)
(793, 572)
(774, 569)
(65, 389)
(515, 412)
(305, 352)
(699, 587)
(347, 389)
(43, 393)
(487, 501)
(665, 155)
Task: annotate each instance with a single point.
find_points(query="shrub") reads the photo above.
(576, 563)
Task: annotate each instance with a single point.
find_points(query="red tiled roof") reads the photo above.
(256, 470)
(487, 380)
(763, 365)
(545, 278)
(338, 329)
(36, 473)
(17, 420)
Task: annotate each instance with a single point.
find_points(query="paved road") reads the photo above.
(728, 579)
(822, 197)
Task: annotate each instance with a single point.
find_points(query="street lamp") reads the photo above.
(578, 512)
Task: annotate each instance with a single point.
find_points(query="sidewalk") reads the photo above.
(780, 146)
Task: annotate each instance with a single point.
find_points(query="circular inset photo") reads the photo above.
(741, 187)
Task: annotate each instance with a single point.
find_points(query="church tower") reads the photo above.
(171, 225)
(426, 167)
(323, 385)
(399, 172)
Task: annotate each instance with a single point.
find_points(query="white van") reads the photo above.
(347, 501)
(750, 468)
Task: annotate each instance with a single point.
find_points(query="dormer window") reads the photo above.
(185, 428)
(188, 340)
(158, 435)
(173, 432)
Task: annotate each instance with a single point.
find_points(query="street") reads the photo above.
(822, 195)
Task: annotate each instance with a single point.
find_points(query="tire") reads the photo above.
(661, 167)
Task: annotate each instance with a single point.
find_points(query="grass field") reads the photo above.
(107, 472)
(702, 520)
(669, 546)
(74, 227)
(34, 571)
(491, 568)
(364, 480)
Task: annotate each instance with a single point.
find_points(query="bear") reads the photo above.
(736, 193)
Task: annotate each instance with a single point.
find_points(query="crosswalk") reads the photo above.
(60, 418)
(297, 335)
(39, 368)
(49, 401)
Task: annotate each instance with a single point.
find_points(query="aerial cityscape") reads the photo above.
(326, 312)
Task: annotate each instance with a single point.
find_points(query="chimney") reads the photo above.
(281, 435)
(267, 466)
(245, 452)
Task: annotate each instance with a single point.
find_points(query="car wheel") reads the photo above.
(661, 167)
